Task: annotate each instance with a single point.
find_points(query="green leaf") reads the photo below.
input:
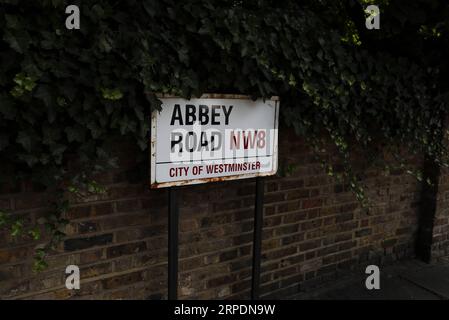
(111, 94)
(25, 140)
(18, 39)
(3, 219)
(35, 233)
(39, 264)
(12, 21)
(16, 228)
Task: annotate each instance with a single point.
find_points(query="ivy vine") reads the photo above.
(65, 94)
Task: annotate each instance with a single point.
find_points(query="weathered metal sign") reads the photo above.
(213, 138)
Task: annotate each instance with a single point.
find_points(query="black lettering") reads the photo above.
(176, 138)
(204, 114)
(216, 143)
(227, 113)
(177, 115)
(191, 141)
(190, 114)
(215, 115)
(204, 142)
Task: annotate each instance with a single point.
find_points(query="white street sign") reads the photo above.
(213, 138)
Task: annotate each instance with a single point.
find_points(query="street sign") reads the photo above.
(213, 138)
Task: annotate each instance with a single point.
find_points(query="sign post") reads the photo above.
(257, 238)
(213, 138)
(173, 224)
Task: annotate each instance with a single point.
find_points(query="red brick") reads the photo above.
(313, 225)
(311, 203)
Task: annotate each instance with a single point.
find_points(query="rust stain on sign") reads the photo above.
(233, 136)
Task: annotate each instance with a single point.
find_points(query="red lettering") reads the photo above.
(178, 172)
(235, 140)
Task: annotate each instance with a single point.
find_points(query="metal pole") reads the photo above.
(257, 240)
(173, 222)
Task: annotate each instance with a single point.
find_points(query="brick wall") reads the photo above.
(314, 231)
(440, 241)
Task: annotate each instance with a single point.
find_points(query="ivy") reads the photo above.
(112, 94)
(66, 94)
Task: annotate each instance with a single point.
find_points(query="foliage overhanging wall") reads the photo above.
(65, 94)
